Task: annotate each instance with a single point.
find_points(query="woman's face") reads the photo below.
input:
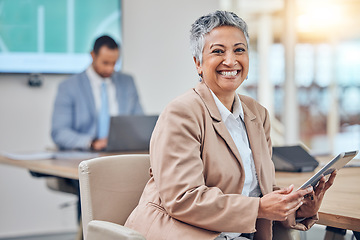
(225, 60)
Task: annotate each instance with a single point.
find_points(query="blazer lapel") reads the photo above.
(85, 85)
(253, 129)
(218, 124)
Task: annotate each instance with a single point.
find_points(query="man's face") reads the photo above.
(104, 61)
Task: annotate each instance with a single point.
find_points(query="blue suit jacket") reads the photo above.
(74, 120)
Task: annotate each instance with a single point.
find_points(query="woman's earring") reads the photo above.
(200, 77)
(247, 77)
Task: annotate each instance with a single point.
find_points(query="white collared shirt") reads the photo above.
(235, 124)
(95, 81)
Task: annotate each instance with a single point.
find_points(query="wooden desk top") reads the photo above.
(67, 168)
(340, 207)
(57, 167)
(341, 204)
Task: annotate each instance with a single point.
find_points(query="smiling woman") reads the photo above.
(212, 176)
(225, 62)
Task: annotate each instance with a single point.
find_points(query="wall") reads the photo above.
(156, 46)
(26, 205)
(155, 51)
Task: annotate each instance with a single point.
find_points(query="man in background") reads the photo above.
(85, 101)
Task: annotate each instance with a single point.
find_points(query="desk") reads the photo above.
(340, 207)
(66, 168)
(60, 168)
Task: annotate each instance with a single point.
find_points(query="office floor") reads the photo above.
(315, 233)
(62, 236)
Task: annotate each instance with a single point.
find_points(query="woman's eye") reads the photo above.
(217, 51)
(239, 50)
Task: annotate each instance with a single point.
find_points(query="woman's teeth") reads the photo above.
(229, 73)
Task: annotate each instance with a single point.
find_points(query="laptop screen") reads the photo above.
(130, 133)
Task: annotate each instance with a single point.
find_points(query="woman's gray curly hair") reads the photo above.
(206, 23)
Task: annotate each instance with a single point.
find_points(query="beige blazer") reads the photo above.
(197, 174)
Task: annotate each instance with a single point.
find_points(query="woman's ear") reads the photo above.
(198, 66)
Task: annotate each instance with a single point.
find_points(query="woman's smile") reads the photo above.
(230, 74)
(225, 62)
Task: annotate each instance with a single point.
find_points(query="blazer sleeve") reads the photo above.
(291, 222)
(179, 173)
(62, 132)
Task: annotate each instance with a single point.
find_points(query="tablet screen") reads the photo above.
(335, 164)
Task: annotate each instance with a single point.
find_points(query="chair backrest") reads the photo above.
(110, 187)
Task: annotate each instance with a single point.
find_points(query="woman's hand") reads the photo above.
(278, 205)
(312, 201)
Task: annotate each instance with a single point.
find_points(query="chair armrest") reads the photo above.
(111, 231)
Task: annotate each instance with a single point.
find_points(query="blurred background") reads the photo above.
(304, 67)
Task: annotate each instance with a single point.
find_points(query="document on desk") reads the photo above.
(49, 155)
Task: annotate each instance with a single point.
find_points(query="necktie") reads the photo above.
(104, 116)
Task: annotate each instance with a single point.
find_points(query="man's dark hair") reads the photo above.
(104, 41)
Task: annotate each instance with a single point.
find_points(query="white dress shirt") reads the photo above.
(234, 122)
(95, 81)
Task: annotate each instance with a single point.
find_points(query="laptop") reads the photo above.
(130, 133)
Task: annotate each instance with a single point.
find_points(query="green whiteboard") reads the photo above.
(54, 36)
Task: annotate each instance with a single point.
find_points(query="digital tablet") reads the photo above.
(335, 164)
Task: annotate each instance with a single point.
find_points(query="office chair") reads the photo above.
(61, 185)
(110, 188)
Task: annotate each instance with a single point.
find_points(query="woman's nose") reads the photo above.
(229, 60)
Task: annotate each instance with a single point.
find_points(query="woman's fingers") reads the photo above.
(298, 205)
(296, 199)
(311, 205)
(320, 186)
(330, 181)
(279, 204)
(324, 185)
(304, 192)
(286, 190)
